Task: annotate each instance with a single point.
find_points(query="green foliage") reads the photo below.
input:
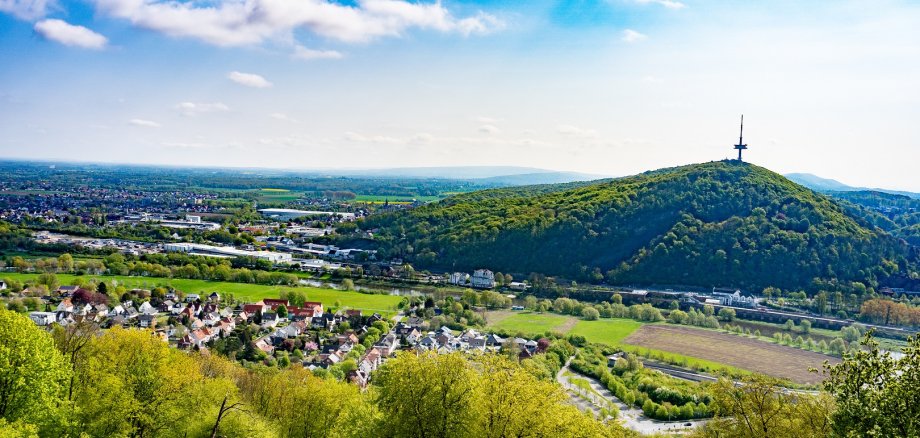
(759, 408)
(876, 394)
(659, 396)
(704, 225)
(430, 395)
(32, 372)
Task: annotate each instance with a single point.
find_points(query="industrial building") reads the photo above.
(226, 251)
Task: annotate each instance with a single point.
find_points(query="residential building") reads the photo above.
(482, 279)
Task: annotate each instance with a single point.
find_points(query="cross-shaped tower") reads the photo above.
(741, 146)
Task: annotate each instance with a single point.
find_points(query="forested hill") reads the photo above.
(713, 224)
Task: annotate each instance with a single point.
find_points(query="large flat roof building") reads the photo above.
(226, 251)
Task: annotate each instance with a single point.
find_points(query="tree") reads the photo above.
(590, 314)
(282, 311)
(49, 280)
(789, 325)
(102, 288)
(530, 302)
(876, 394)
(295, 297)
(837, 346)
(133, 384)
(33, 374)
(428, 395)
(805, 325)
(65, 262)
(72, 341)
(678, 317)
(760, 408)
(727, 314)
(617, 299)
(850, 334)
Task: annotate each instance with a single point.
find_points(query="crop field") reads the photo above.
(736, 351)
(243, 291)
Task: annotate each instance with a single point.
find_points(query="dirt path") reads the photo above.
(565, 327)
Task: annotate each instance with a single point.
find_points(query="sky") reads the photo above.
(608, 87)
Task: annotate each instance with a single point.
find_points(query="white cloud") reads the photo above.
(283, 117)
(26, 9)
(670, 4)
(361, 138)
(144, 123)
(631, 36)
(575, 131)
(70, 35)
(186, 145)
(248, 22)
(249, 79)
(194, 109)
(489, 129)
(301, 52)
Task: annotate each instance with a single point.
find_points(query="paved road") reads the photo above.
(631, 417)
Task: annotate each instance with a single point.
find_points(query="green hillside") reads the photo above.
(713, 224)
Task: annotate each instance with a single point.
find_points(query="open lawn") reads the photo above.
(242, 291)
(603, 331)
(606, 331)
(529, 322)
(736, 351)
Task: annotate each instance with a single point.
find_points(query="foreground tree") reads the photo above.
(876, 394)
(432, 395)
(33, 374)
(760, 408)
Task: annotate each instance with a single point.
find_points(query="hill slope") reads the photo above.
(713, 224)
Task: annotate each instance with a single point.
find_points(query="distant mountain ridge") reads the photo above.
(713, 224)
(504, 175)
(820, 184)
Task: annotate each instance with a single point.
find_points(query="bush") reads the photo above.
(590, 314)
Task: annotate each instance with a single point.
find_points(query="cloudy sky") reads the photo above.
(611, 87)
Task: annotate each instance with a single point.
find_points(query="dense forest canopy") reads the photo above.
(714, 224)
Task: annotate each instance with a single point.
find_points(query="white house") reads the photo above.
(147, 308)
(459, 278)
(43, 318)
(482, 279)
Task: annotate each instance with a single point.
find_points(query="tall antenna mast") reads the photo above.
(741, 146)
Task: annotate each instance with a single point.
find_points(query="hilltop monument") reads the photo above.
(741, 146)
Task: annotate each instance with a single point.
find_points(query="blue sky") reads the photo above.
(612, 87)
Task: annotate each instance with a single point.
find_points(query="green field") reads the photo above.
(379, 199)
(606, 331)
(242, 291)
(603, 331)
(529, 322)
(277, 195)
